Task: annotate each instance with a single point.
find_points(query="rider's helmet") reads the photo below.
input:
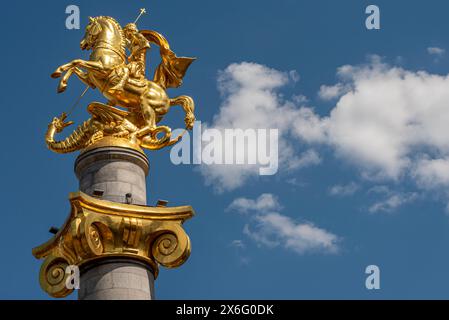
(130, 27)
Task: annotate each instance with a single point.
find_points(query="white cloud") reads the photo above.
(392, 202)
(271, 229)
(436, 51)
(344, 190)
(432, 173)
(299, 99)
(239, 247)
(227, 177)
(332, 92)
(309, 126)
(307, 158)
(264, 203)
(295, 182)
(392, 123)
(389, 122)
(380, 189)
(238, 244)
(275, 229)
(294, 75)
(251, 100)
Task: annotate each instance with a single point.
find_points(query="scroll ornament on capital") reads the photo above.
(98, 228)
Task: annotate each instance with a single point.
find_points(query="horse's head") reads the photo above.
(106, 30)
(93, 30)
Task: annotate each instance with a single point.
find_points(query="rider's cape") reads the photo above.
(172, 69)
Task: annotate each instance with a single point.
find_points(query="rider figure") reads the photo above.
(137, 44)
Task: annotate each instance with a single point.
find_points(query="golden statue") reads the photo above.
(121, 79)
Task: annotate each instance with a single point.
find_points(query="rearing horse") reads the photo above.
(146, 100)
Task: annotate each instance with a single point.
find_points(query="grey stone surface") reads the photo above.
(117, 280)
(115, 171)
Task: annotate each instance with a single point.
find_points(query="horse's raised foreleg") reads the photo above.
(81, 75)
(74, 67)
(63, 83)
(61, 69)
(88, 65)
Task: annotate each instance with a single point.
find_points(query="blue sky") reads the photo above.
(366, 167)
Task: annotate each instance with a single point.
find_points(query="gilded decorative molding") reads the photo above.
(97, 228)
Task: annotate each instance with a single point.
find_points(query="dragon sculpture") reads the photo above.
(135, 104)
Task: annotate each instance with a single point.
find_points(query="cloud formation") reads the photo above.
(390, 200)
(264, 203)
(436, 51)
(332, 92)
(343, 190)
(238, 244)
(388, 122)
(271, 229)
(392, 124)
(251, 100)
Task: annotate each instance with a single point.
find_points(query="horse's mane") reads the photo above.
(119, 28)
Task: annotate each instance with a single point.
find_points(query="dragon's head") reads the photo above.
(59, 123)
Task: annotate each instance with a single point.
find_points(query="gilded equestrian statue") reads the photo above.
(135, 104)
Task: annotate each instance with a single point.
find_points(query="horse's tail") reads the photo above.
(188, 106)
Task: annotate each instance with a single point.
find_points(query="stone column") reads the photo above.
(117, 242)
(116, 279)
(113, 173)
(116, 174)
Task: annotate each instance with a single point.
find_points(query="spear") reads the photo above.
(142, 11)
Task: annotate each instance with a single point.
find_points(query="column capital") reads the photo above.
(96, 229)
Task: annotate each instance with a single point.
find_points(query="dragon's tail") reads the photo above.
(76, 141)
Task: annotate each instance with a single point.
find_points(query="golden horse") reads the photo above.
(146, 101)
